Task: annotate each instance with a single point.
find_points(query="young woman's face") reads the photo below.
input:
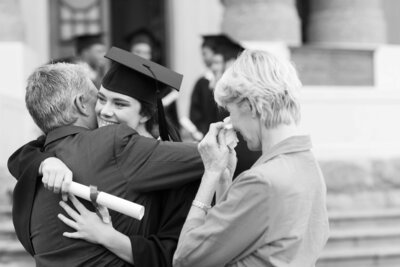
(113, 108)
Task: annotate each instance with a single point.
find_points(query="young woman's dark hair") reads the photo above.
(151, 125)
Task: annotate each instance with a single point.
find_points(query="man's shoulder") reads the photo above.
(110, 132)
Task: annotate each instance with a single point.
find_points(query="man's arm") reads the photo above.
(27, 159)
(151, 165)
(24, 165)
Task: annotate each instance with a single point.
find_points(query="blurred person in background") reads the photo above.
(204, 110)
(90, 51)
(201, 90)
(143, 43)
(273, 214)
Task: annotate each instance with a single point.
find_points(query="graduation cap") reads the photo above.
(141, 79)
(227, 47)
(210, 41)
(87, 40)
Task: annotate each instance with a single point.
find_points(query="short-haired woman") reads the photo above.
(273, 214)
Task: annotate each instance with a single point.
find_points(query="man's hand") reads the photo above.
(56, 176)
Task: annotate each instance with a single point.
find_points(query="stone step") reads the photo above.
(5, 212)
(362, 219)
(388, 256)
(7, 230)
(364, 237)
(11, 249)
(20, 262)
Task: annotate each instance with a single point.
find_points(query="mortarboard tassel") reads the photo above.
(161, 120)
(162, 123)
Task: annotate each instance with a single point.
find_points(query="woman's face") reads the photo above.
(217, 65)
(113, 108)
(142, 50)
(208, 55)
(246, 123)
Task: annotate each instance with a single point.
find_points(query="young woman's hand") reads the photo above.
(56, 176)
(88, 225)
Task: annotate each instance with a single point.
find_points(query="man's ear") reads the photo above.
(81, 105)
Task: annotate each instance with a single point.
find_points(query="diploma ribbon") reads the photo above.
(94, 193)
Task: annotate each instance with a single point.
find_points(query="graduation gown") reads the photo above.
(203, 109)
(162, 176)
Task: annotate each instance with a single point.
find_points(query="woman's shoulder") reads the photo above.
(254, 175)
(269, 172)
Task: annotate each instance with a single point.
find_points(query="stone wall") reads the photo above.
(362, 184)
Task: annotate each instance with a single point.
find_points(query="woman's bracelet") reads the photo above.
(201, 205)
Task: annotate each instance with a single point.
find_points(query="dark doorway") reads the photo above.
(129, 15)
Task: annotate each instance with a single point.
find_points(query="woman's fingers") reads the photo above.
(75, 235)
(65, 185)
(73, 214)
(45, 179)
(222, 139)
(210, 139)
(50, 182)
(59, 178)
(215, 128)
(104, 214)
(68, 222)
(78, 205)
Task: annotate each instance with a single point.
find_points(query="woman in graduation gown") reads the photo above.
(130, 98)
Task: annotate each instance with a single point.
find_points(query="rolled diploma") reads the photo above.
(109, 201)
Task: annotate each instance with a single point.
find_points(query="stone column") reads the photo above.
(11, 21)
(14, 59)
(262, 20)
(346, 22)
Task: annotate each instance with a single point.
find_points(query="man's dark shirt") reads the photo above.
(162, 176)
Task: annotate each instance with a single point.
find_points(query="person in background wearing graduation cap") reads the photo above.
(218, 52)
(162, 176)
(273, 214)
(204, 110)
(90, 51)
(200, 91)
(143, 43)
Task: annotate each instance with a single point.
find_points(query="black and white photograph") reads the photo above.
(209, 133)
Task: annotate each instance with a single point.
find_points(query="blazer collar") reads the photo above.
(62, 132)
(292, 144)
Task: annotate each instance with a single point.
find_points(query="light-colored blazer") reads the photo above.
(272, 215)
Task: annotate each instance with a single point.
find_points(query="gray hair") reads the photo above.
(269, 84)
(50, 93)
